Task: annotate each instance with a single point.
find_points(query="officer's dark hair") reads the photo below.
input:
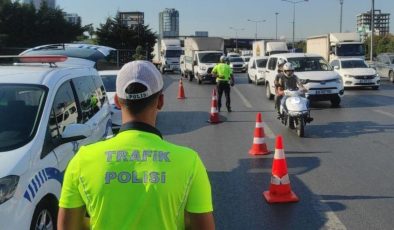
(137, 106)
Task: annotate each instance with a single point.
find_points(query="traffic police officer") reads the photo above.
(136, 180)
(224, 78)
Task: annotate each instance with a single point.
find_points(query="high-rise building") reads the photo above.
(72, 18)
(381, 23)
(130, 19)
(169, 23)
(37, 3)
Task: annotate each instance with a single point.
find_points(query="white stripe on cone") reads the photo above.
(259, 124)
(258, 140)
(278, 181)
(214, 110)
(279, 154)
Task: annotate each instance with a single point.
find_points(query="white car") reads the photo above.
(47, 112)
(256, 69)
(356, 73)
(237, 64)
(315, 73)
(109, 80)
(233, 54)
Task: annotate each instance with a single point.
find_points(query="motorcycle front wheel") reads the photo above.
(300, 126)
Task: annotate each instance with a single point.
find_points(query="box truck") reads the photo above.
(166, 54)
(201, 55)
(264, 48)
(336, 45)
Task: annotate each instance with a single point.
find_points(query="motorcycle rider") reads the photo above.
(280, 74)
(287, 81)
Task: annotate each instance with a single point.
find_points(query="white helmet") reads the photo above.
(223, 59)
(286, 67)
(281, 61)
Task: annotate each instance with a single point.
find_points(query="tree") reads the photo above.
(382, 44)
(21, 25)
(117, 35)
(139, 54)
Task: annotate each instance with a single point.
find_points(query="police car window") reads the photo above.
(64, 111)
(88, 98)
(100, 90)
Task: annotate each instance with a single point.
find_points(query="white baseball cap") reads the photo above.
(143, 72)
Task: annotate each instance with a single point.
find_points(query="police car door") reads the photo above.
(94, 107)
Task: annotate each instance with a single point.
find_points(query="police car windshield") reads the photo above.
(20, 113)
(305, 64)
(353, 64)
(209, 57)
(109, 82)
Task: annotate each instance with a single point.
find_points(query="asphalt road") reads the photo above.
(342, 171)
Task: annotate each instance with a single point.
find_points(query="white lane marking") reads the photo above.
(268, 132)
(384, 113)
(332, 220)
(243, 98)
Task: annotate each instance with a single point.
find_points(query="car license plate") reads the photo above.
(365, 81)
(323, 91)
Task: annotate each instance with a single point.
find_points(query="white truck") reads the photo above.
(166, 54)
(336, 45)
(264, 48)
(201, 55)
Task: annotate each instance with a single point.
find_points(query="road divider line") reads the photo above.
(268, 131)
(243, 98)
(332, 220)
(384, 113)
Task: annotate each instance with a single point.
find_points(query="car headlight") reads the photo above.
(7, 187)
(347, 75)
(203, 68)
(304, 81)
(339, 80)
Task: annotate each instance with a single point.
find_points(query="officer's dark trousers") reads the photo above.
(223, 86)
(278, 100)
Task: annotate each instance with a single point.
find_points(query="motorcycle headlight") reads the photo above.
(7, 187)
(203, 68)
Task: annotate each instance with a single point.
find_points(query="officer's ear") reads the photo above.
(116, 99)
(160, 101)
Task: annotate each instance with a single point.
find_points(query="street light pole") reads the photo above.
(256, 21)
(294, 3)
(340, 18)
(236, 36)
(276, 25)
(372, 27)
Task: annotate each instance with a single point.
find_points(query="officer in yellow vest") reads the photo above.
(224, 78)
(136, 180)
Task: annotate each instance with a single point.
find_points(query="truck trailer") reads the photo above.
(264, 48)
(336, 45)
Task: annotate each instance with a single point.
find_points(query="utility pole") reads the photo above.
(276, 25)
(372, 27)
(340, 20)
(294, 3)
(256, 21)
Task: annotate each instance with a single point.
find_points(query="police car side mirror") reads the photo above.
(76, 132)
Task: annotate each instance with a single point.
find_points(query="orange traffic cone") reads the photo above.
(280, 190)
(214, 116)
(259, 146)
(181, 92)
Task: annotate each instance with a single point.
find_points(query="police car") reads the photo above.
(47, 111)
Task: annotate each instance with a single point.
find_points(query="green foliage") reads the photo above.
(382, 44)
(114, 34)
(21, 25)
(139, 54)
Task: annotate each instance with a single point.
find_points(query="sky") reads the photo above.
(313, 17)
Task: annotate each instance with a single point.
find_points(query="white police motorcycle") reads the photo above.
(297, 112)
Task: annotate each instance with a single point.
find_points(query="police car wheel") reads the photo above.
(45, 216)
